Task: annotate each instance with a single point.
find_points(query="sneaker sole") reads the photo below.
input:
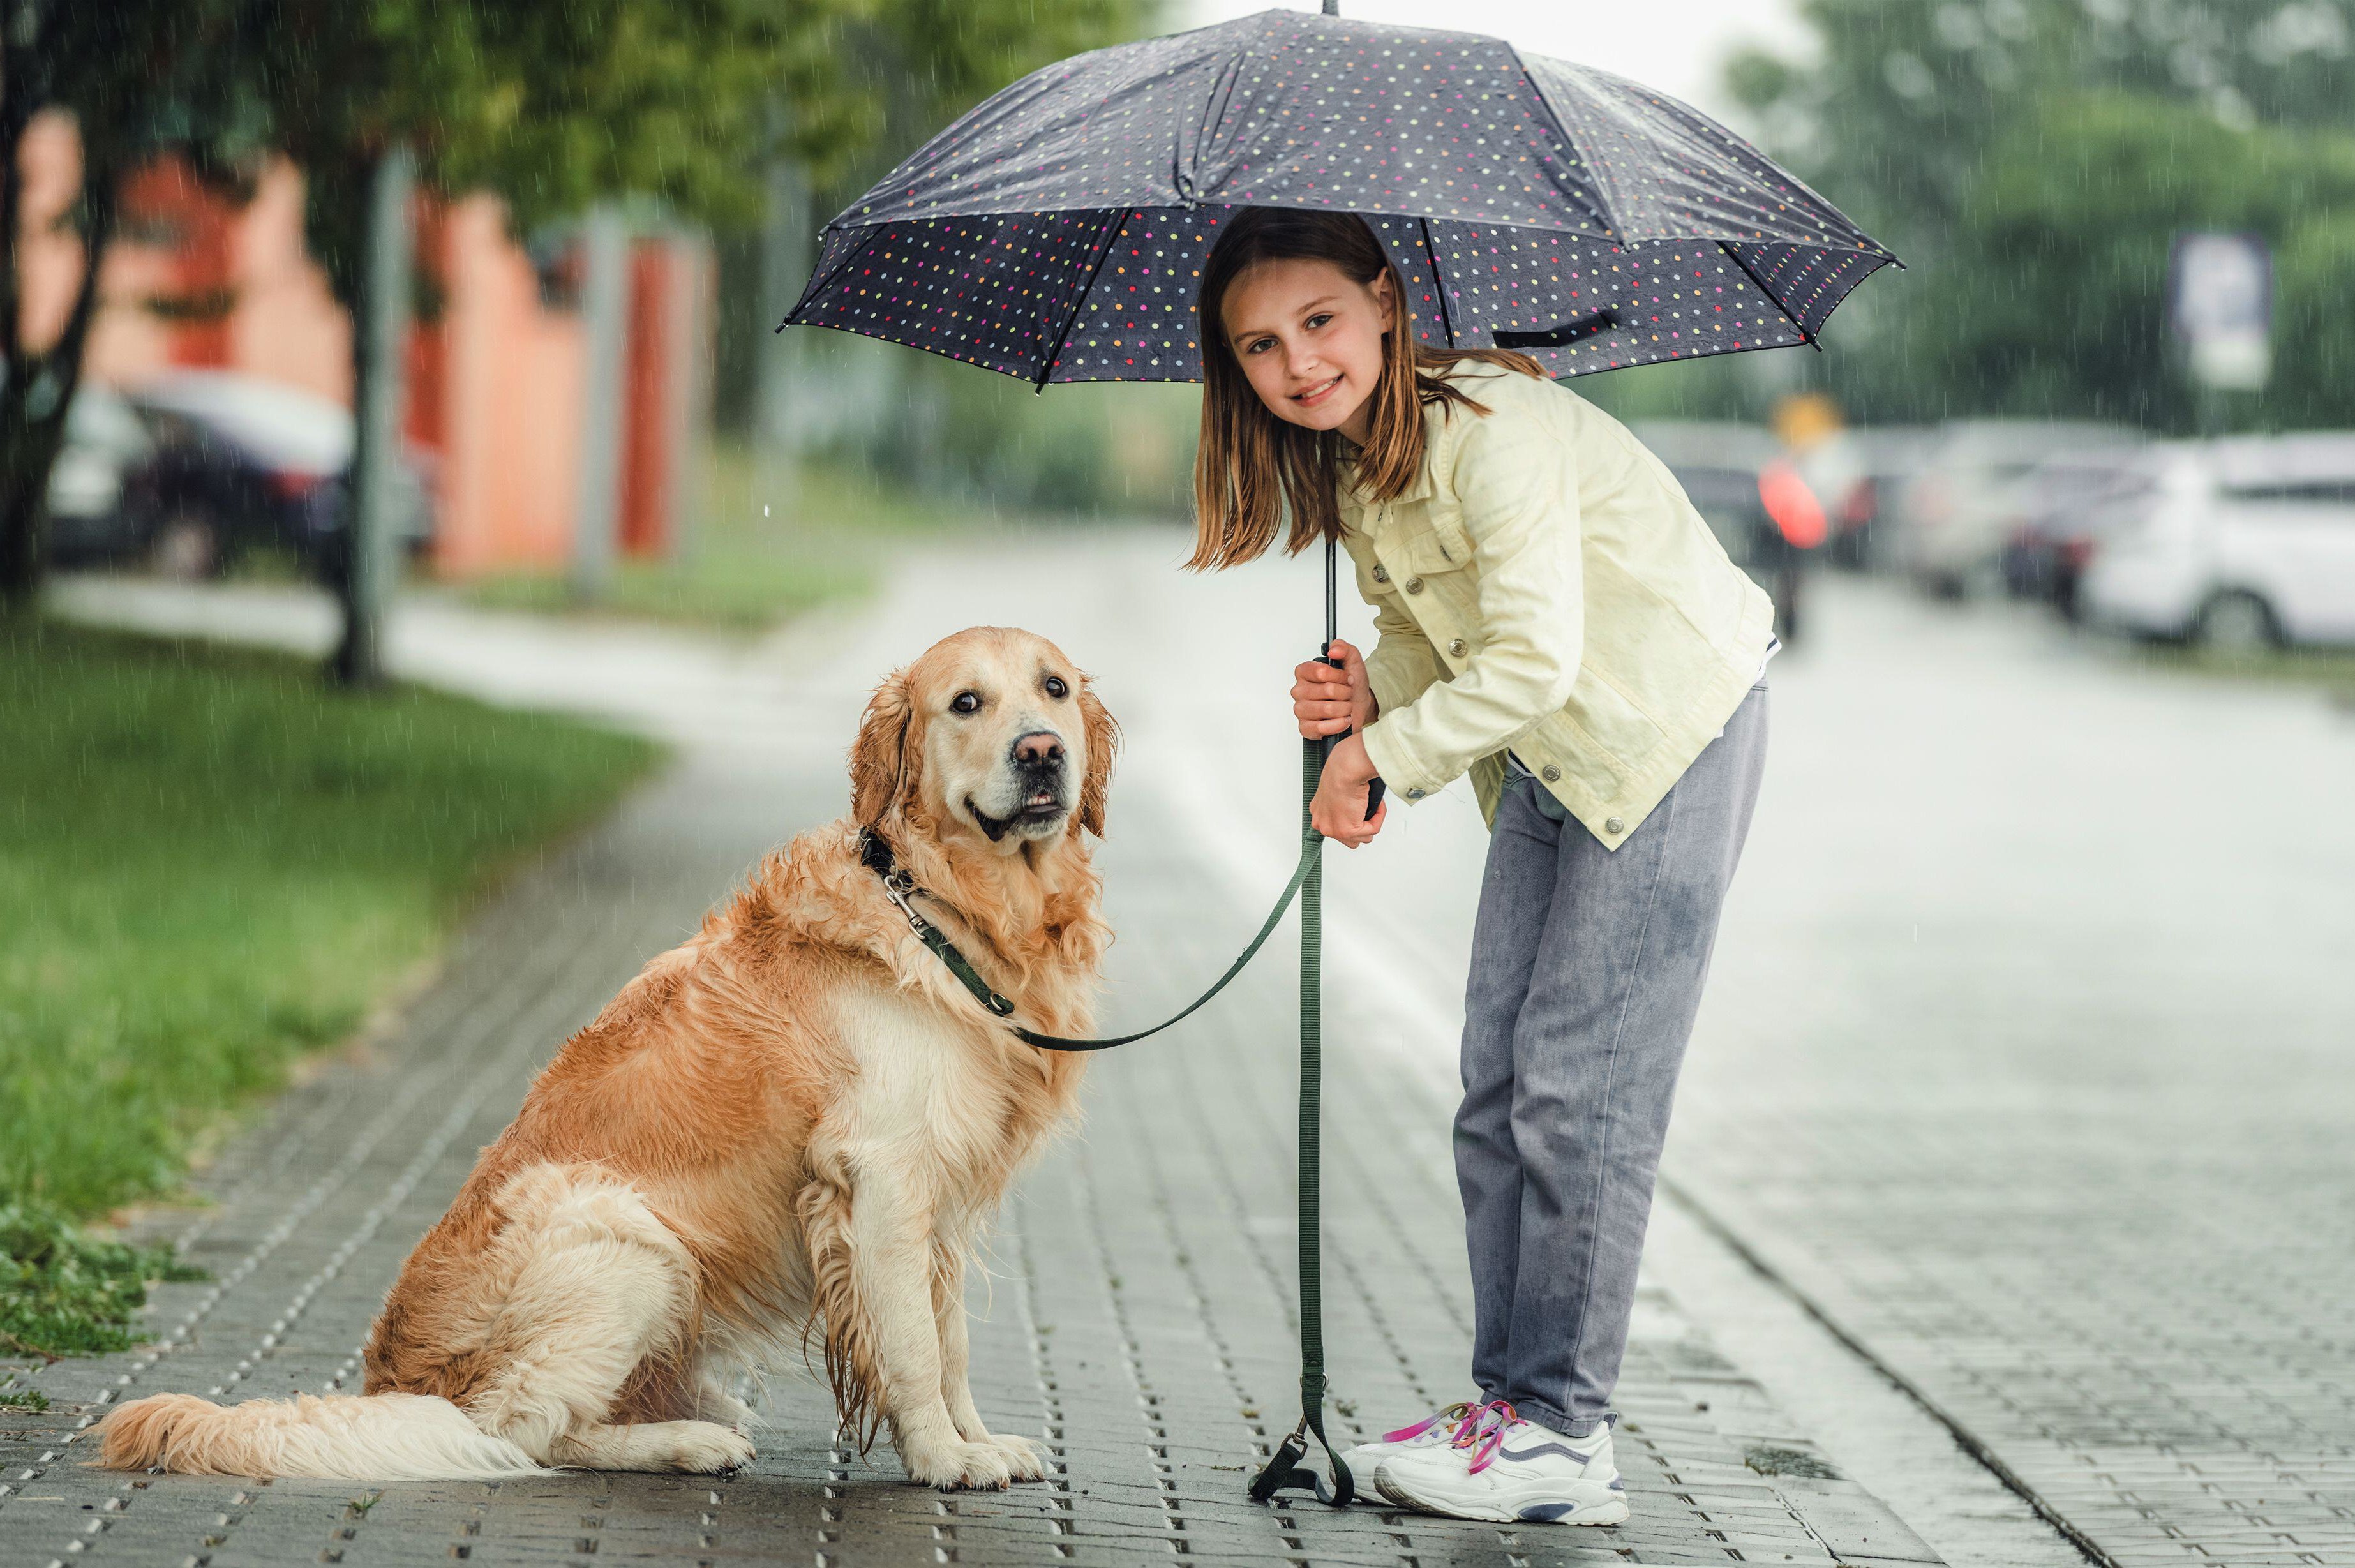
(1612, 1511)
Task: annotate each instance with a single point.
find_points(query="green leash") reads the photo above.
(899, 887)
(1283, 1471)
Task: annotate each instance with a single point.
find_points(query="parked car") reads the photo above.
(1953, 516)
(2247, 543)
(1718, 464)
(1752, 497)
(93, 507)
(241, 461)
(1858, 474)
(2065, 503)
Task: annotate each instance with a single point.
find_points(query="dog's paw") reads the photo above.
(956, 1465)
(711, 1450)
(1024, 1460)
(716, 1404)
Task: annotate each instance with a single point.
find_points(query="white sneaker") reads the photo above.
(1432, 1431)
(1505, 1469)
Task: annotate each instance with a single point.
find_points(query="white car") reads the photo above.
(1954, 515)
(92, 515)
(2243, 543)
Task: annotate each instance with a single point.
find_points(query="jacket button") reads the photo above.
(1381, 574)
(1456, 647)
(1613, 826)
(1414, 585)
(1553, 774)
(1414, 795)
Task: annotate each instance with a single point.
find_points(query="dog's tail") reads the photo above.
(385, 1436)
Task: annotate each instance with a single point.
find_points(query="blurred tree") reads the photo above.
(2031, 160)
(549, 106)
(924, 61)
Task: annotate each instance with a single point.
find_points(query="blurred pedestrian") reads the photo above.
(1554, 618)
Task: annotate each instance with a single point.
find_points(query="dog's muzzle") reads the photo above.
(1039, 798)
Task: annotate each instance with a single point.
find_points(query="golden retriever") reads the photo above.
(792, 1126)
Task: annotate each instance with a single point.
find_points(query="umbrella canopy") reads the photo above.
(1057, 232)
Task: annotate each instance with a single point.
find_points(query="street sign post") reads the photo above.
(2220, 300)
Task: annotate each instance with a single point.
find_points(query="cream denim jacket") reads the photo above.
(1544, 586)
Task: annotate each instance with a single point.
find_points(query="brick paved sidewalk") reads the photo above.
(1138, 1322)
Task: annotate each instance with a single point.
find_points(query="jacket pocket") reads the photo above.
(1413, 549)
(1615, 725)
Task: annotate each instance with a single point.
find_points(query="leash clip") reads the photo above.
(1283, 1467)
(896, 886)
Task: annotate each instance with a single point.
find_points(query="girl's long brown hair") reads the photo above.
(1250, 464)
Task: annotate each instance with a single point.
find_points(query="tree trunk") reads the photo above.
(36, 389)
(370, 557)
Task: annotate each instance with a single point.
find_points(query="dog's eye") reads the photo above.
(1056, 688)
(966, 702)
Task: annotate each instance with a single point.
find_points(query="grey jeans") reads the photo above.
(1587, 966)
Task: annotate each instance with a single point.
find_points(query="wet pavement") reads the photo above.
(2021, 1089)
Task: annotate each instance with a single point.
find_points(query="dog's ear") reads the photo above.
(878, 758)
(1103, 739)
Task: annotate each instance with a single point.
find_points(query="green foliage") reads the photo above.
(681, 103)
(548, 106)
(2032, 161)
(210, 862)
(25, 1399)
(64, 1293)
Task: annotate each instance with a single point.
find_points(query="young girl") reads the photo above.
(1556, 619)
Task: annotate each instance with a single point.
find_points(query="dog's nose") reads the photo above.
(1039, 747)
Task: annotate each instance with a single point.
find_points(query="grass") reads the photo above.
(767, 547)
(63, 1294)
(210, 864)
(2330, 669)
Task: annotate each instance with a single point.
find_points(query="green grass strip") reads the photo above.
(212, 862)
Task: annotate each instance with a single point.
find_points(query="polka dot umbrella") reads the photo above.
(1057, 232)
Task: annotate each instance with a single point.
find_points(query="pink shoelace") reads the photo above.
(1483, 1432)
(1479, 1427)
(1458, 1413)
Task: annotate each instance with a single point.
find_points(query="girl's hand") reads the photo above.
(1338, 807)
(1325, 701)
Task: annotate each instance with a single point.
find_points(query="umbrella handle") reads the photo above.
(1373, 790)
(1333, 617)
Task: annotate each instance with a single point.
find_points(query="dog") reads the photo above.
(790, 1128)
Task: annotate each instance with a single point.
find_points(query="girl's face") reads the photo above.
(1309, 339)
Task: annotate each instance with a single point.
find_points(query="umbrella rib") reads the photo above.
(1078, 301)
(822, 284)
(1805, 335)
(1438, 283)
(1571, 141)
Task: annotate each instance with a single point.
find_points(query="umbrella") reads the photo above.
(1057, 233)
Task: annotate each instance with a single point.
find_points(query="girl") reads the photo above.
(1554, 618)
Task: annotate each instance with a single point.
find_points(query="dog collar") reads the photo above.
(875, 854)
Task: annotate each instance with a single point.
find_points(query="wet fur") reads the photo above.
(789, 1129)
